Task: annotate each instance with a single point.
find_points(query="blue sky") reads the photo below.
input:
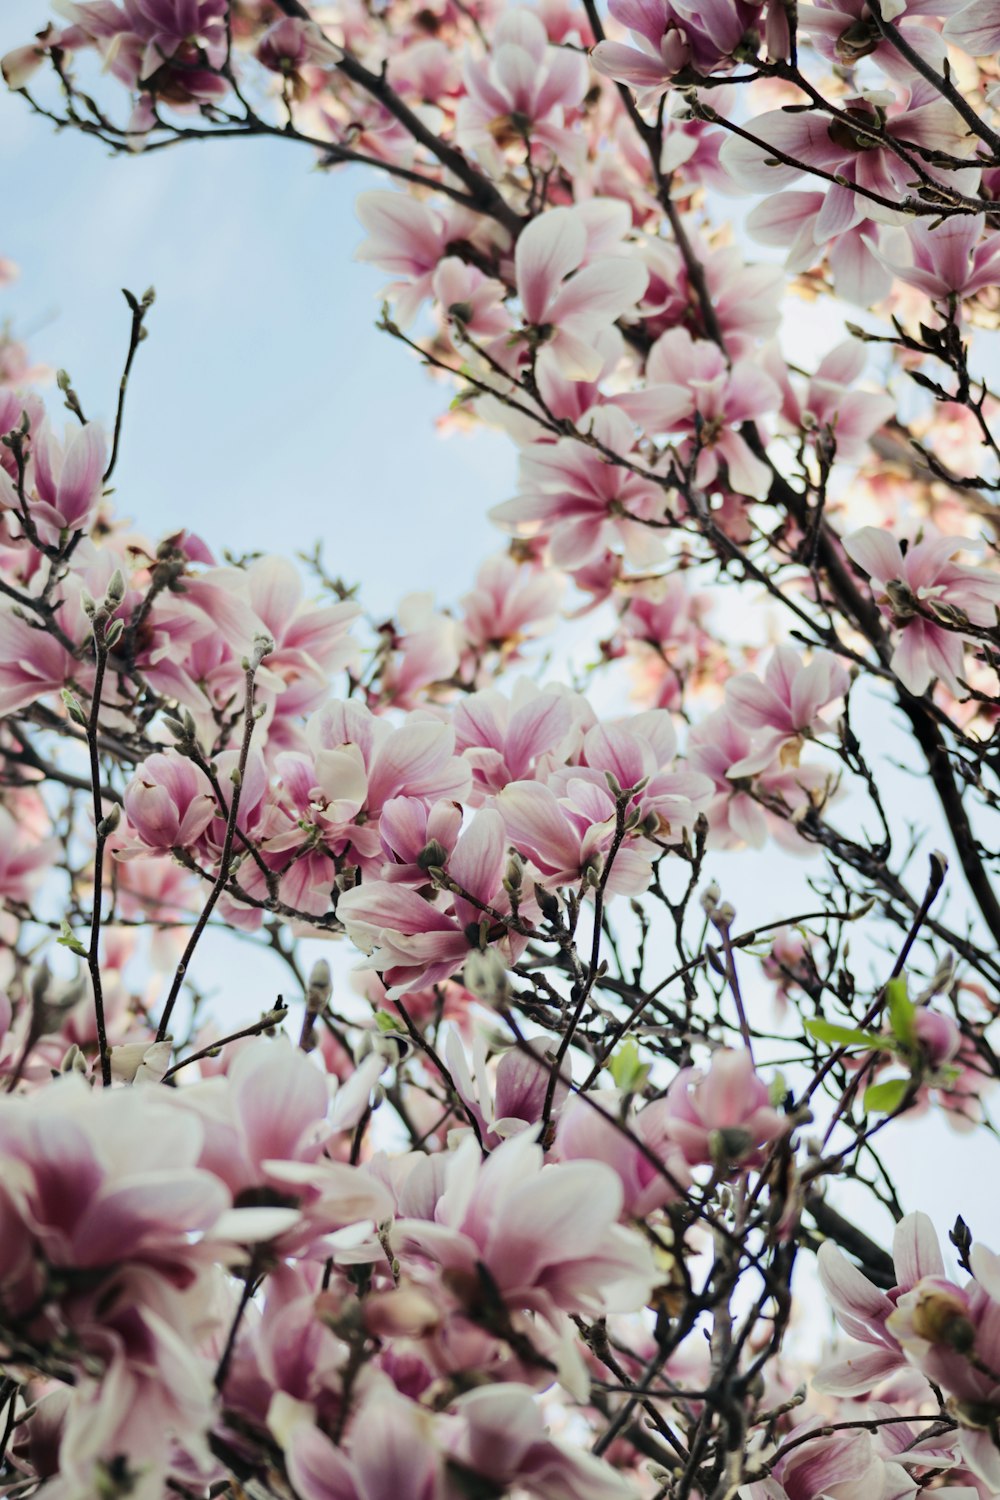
(265, 409)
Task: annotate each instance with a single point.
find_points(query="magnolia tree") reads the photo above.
(513, 1193)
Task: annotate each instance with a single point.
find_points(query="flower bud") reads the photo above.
(710, 897)
(320, 987)
(169, 802)
(115, 591)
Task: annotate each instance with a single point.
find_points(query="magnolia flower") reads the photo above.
(828, 409)
(690, 389)
(786, 706)
(976, 28)
(582, 502)
(950, 260)
(169, 802)
(68, 476)
(547, 1235)
(845, 31)
(292, 44)
(414, 942)
(410, 238)
(796, 220)
(519, 738)
(863, 1311)
(669, 35)
(586, 1133)
(919, 586)
(566, 303)
(723, 1115)
(518, 95)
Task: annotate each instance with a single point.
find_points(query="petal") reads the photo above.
(915, 1250)
(550, 248)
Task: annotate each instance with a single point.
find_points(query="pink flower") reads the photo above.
(690, 389)
(796, 219)
(845, 31)
(582, 502)
(519, 738)
(917, 586)
(566, 303)
(390, 1455)
(949, 260)
(724, 1115)
(746, 299)
(787, 705)
(95, 1179)
(291, 44)
(828, 407)
(735, 816)
(586, 1134)
(669, 35)
(170, 47)
(266, 1125)
(519, 94)
(510, 1102)
(952, 1334)
(511, 602)
(68, 476)
(847, 151)
(471, 300)
(500, 1434)
(311, 642)
(410, 239)
(425, 651)
(32, 662)
(863, 1311)
(23, 858)
(169, 801)
(844, 1464)
(548, 1235)
(414, 943)
(566, 831)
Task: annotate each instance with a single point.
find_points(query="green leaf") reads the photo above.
(626, 1069)
(885, 1098)
(846, 1036)
(67, 939)
(386, 1022)
(902, 1012)
(777, 1090)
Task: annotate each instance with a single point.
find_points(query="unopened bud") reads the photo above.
(320, 987)
(263, 645)
(74, 1061)
(108, 824)
(114, 633)
(115, 591)
(710, 897)
(73, 707)
(723, 915)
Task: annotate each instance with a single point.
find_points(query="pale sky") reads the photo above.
(264, 405)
